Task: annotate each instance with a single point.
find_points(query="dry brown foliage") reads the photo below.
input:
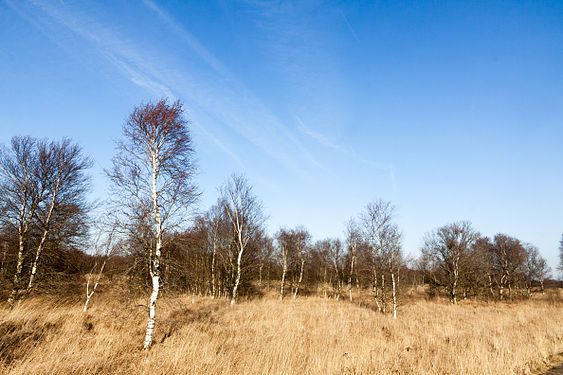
(310, 335)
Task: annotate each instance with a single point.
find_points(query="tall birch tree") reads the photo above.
(244, 211)
(285, 244)
(152, 175)
(353, 239)
(103, 248)
(382, 236)
(302, 242)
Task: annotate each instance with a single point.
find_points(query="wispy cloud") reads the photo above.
(350, 28)
(324, 140)
(190, 40)
(221, 96)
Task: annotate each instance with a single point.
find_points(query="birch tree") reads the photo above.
(353, 239)
(43, 188)
(447, 249)
(394, 261)
(383, 239)
(285, 245)
(244, 211)
(21, 194)
(61, 169)
(508, 257)
(265, 251)
(152, 175)
(103, 251)
(302, 242)
(334, 251)
(215, 219)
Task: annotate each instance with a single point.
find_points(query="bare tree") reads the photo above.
(102, 254)
(334, 248)
(507, 258)
(383, 238)
(535, 268)
(353, 239)
(447, 250)
(62, 169)
(482, 259)
(284, 239)
(393, 260)
(302, 241)
(245, 214)
(265, 251)
(21, 195)
(152, 175)
(43, 197)
(215, 219)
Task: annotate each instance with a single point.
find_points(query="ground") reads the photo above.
(309, 335)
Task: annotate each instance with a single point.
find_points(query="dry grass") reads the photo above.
(310, 335)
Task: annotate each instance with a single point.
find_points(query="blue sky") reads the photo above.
(452, 110)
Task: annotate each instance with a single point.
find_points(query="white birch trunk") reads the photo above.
(19, 266)
(284, 270)
(155, 261)
(351, 273)
(152, 312)
(394, 295)
(375, 296)
(35, 262)
(300, 278)
(90, 293)
(383, 305)
(454, 284)
(43, 237)
(213, 283)
(237, 280)
(338, 281)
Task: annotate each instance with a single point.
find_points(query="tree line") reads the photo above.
(150, 234)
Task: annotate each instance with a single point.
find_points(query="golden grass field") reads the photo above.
(309, 335)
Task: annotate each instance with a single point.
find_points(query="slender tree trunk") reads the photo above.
(260, 267)
(394, 295)
(90, 293)
(383, 306)
(3, 270)
(300, 278)
(350, 277)
(213, 282)
(375, 281)
(19, 266)
(155, 261)
(41, 245)
(454, 285)
(284, 270)
(237, 280)
(155, 277)
(338, 282)
(35, 263)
